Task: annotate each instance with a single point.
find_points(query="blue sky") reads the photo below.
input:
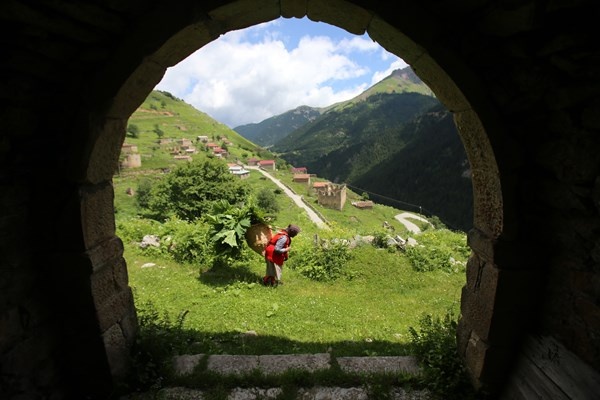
(249, 75)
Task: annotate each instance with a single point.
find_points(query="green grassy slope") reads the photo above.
(178, 120)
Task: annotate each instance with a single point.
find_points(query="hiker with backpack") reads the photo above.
(277, 252)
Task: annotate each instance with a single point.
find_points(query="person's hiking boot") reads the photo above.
(269, 281)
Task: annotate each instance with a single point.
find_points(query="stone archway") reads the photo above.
(520, 77)
(488, 212)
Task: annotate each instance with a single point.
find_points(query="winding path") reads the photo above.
(314, 217)
(404, 219)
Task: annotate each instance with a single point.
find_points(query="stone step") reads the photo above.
(272, 365)
(277, 364)
(314, 393)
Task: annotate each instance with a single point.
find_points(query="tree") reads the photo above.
(143, 193)
(266, 200)
(133, 131)
(159, 132)
(189, 191)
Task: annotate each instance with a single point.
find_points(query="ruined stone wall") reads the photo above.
(132, 161)
(332, 196)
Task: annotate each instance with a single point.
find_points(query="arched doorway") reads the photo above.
(430, 64)
(74, 73)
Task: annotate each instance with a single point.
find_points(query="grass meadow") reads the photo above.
(368, 309)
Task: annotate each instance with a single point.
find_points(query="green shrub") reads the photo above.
(160, 337)
(190, 190)
(380, 240)
(133, 131)
(182, 241)
(187, 242)
(266, 200)
(439, 250)
(143, 193)
(434, 345)
(428, 258)
(134, 230)
(323, 262)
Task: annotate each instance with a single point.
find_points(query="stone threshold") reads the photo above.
(277, 364)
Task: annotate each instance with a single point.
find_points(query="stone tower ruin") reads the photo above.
(332, 196)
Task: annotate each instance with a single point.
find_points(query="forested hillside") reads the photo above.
(403, 147)
(431, 171)
(271, 130)
(332, 144)
(394, 140)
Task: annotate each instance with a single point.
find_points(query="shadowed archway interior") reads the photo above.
(522, 88)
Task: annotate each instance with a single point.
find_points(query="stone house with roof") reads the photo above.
(363, 205)
(302, 178)
(267, 164)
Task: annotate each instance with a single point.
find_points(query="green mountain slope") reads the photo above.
(399, 81)
(273, 129)
(344, 131)
(430, 171)
(164, 116)
(395, 140)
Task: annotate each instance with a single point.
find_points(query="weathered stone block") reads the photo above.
(108, 281)
(277, 364)
(293, 8)
(387, 365)
(185, 364)
(340, 13)
(117, 351)
(97, 213)
(183, 44)
(243, 14)
(230, 365)
(106, 252)
(106, 148)
(114, 309)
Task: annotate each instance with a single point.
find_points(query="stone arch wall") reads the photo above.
(520, 78)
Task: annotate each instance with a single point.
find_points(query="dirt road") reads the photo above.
(314, 217)
(404, 219)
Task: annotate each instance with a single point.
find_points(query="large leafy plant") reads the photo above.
(229, 224)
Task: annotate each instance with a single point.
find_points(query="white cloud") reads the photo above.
(237, 81)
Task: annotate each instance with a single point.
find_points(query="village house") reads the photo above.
(128, 148)
(131, 158)
(203, 139)
(164, 142)
(182, 158)
(319, 185)
(253, 161)
(301, 178)
(363, 205)
(219, 152)
(238, 171)
(267, 164)
(184, 143)
(299, 170)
